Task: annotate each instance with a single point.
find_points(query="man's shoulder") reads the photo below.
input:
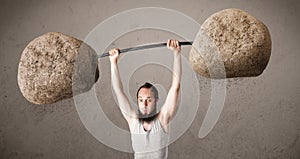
(132, 123)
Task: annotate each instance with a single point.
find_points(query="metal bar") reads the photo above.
(149, 46)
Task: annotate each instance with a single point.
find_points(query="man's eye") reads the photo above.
(149, 100)
(141, 100)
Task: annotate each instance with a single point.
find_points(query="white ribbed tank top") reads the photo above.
(152, 144)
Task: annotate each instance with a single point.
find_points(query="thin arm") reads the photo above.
(170, 105)
(127, 111)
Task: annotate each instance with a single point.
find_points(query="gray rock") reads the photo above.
(48, 68)
(238, 39)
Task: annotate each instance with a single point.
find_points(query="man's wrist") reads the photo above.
(114, 62)
(176, 52)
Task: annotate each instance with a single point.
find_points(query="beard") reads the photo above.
(148, 117)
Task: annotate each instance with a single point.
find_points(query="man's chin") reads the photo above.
(145, 115)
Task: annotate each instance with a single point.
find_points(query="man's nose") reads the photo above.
(145, 103)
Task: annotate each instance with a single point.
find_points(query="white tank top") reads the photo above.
(152, 144)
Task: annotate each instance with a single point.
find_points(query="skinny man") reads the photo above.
(149, 128)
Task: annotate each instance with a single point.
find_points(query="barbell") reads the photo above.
(47, 72)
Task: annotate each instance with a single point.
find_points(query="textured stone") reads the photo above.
(48, 68)
(242, 42)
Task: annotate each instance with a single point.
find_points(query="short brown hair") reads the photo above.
(148, 85)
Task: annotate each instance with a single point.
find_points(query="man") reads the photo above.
(149, 130)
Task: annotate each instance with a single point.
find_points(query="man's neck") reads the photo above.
(147, 125)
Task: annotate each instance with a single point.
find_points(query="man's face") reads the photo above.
(146, 101)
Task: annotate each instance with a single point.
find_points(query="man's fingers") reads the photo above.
(113, 51)
(173, 45)
(177, 42)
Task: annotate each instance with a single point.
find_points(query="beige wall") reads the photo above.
(261, 116)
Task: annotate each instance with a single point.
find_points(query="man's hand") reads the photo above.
(114, 55)
(174, 45)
